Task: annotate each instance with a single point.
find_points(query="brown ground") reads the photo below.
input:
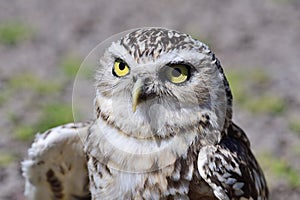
(250, 36)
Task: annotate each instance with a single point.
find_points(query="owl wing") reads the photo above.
(231, 169)
(56, 166)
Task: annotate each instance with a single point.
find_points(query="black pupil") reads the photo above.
(176, 72)
(122, 66)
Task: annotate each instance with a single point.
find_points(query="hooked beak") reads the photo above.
(136, 92)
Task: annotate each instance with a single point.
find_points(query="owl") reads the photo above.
(163, 129)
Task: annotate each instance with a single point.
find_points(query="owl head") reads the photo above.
(157, 83)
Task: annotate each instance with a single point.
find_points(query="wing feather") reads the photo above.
(56, 166)
(231, 169)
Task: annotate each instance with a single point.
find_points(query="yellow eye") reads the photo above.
(120, 68)
(178, 73)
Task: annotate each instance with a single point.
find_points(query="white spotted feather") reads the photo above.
(55, 167)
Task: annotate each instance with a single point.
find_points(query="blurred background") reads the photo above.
(42, 44)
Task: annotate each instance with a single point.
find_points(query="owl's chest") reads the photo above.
(108, 183)
(129, 168)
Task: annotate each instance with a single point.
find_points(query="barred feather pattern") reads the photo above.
(230, 168)
(55, 168)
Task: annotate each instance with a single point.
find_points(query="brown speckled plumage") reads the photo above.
(152, 138)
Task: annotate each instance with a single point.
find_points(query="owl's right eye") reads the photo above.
(120, 68)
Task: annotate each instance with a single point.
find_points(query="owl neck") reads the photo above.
(119, 151)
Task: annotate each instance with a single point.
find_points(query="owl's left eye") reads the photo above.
(120, 68)
(177, 73)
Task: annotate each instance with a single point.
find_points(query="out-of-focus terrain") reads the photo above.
(42, 44)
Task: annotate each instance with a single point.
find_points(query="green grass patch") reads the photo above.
(6, 159)
(294, 125)
(258, 76)
(265, 104)
(24, 132)
(296, 149)
(70, 65)
(52, 115)
(238, 88)
(11, 33)
(32, 82)
(249, 91)
(281, 169)
(2, 99)
(4, 95)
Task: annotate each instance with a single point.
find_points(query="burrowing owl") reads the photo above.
(163, 130)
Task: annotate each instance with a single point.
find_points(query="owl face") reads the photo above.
(157, 82)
